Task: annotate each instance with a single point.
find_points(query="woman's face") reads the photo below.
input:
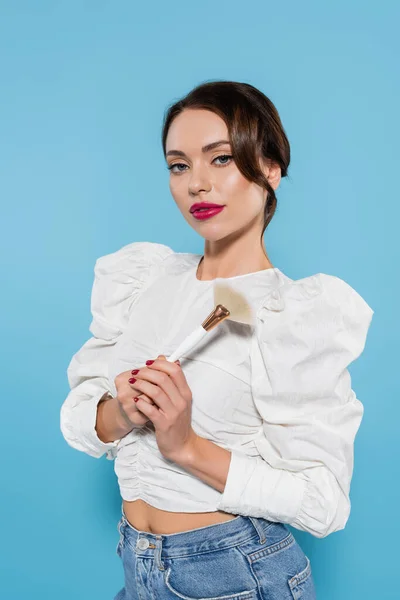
(212, 176)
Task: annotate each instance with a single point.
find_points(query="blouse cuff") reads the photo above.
(100, 447)
(325, 508)
(256, 489)
(89, 441)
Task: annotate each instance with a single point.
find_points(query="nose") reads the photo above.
(199, 181)
(195, 189)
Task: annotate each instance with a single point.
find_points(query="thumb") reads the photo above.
(162, 356)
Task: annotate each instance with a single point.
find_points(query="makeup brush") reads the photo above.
(229, 304)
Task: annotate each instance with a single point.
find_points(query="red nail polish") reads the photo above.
(132, 380)
(149, 362)
(135, 371)
(136, 399)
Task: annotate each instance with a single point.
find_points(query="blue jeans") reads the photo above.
(246, 558)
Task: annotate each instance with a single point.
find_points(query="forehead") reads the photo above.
(192, 129)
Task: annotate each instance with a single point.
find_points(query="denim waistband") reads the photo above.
(211, 537)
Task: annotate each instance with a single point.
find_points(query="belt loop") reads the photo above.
(259, 529)
(157, 553)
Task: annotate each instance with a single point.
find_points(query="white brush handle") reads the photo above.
(188, 343)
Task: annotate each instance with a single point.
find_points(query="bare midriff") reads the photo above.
(145, 517)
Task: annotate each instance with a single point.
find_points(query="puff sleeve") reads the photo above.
(119, 278)
(308, 332)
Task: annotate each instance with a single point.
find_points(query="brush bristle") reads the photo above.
(237, 304)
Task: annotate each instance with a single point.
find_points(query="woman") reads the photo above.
(254, 428)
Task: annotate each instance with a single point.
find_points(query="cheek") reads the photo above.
(237, 191)
(232, 183)
(178, 191)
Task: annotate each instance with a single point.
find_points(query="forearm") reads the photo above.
(110, 423)
(207, 461)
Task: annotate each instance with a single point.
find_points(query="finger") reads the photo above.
(156, 392)
(136, 391)
(151, 412)
(175, 372)
(163, 382)
(145, 398)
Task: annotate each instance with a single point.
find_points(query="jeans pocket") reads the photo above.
(281, 568)
(215, 575)
(302, 584)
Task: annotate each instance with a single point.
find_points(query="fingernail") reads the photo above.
(132, 380)
(149, 362)
(135, 371)
(136, 399)
(178, 362)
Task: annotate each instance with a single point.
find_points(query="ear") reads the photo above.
(272, 172)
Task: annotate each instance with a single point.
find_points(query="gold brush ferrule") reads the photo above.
(217, 315)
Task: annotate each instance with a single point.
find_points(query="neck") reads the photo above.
(231, 262)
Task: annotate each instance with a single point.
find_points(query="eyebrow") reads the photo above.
(204, 149)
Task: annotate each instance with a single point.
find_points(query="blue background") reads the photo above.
(84, 86)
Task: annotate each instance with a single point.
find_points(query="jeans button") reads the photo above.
(143, 543)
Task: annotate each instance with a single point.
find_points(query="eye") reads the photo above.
(223, 156)
(170, 167)
(229, 156)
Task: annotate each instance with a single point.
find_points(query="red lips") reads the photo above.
(198, 205)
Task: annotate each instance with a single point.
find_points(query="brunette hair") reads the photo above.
(254, 127)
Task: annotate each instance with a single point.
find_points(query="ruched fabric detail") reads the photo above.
(119, 278)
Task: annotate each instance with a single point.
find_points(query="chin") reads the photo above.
(215, 236)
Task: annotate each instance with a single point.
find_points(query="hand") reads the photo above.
(126, 391)
(165, 383)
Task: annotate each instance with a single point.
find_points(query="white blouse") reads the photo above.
(277, 394)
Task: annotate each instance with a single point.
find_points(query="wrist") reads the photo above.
(110, 424)
(188, 453)
(123, 424)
